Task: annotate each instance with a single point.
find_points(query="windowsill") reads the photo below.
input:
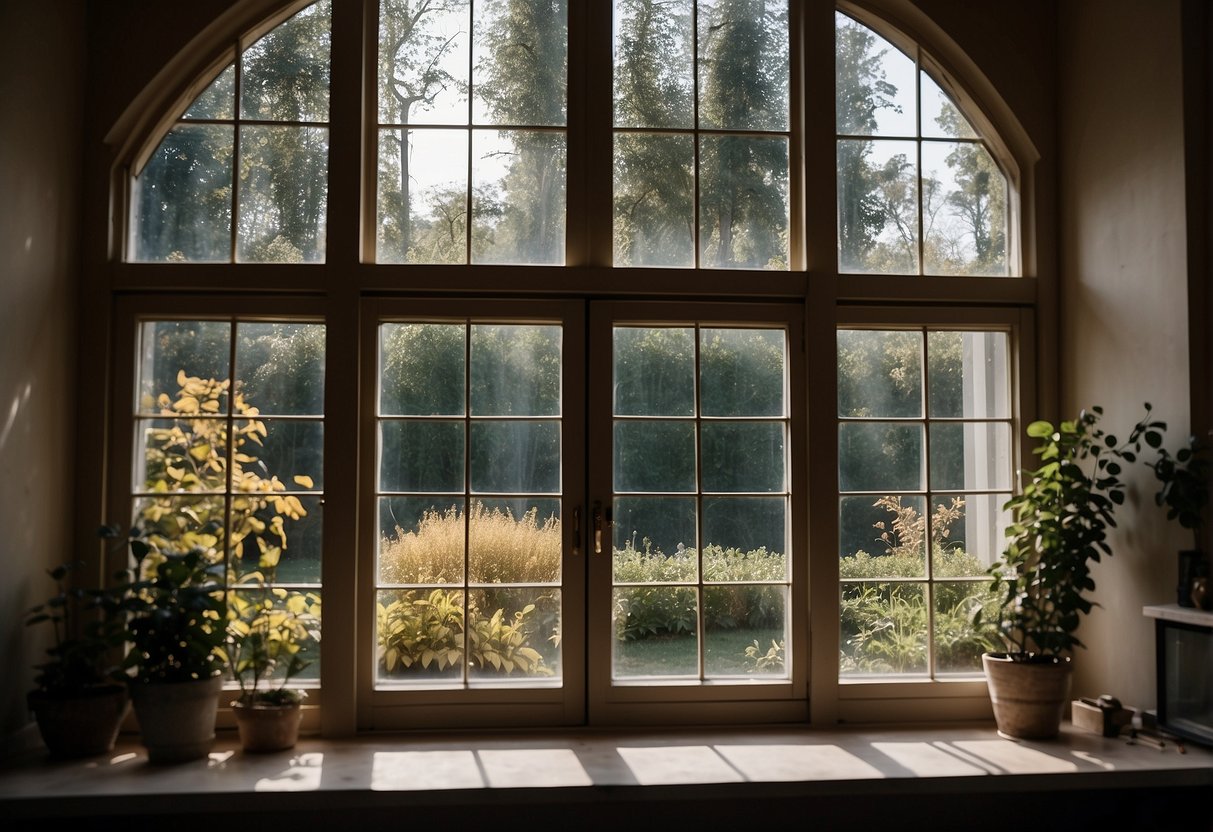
(597, 774)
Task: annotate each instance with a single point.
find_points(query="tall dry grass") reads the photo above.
(503, 549)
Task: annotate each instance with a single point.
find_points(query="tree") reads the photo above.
(743, 180)
(861, 90)
(521, 80)
(979, 201)
(654, 176)
(413, 44)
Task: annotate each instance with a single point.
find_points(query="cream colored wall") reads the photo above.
(1124, 295)
(41, 81)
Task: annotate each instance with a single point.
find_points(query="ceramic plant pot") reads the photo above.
(267, 727)
(80, 725)
(177, 719)
(1029, 697)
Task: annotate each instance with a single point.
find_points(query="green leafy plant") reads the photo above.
(88, 630)
(175, 604)
(270, 630)
(1059, 527)
(421, 632)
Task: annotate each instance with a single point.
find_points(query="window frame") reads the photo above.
(340, 290)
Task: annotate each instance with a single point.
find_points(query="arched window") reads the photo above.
(501, 309)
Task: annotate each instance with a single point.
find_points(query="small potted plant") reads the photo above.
(79, 702)
(270, 628)
(175, 603)
(1058, 528)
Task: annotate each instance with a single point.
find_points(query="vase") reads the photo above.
(265, 727)
(1028, 695)
(80, 725)
(177, 719)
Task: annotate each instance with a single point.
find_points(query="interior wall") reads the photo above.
(41, 82)
(1124, 319)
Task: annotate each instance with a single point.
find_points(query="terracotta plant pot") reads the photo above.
(1029, 697)
(177, 719)
(267, 727)
(81, 725)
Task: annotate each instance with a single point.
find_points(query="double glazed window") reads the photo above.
(560, 493)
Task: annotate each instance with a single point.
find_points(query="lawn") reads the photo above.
(724, 653)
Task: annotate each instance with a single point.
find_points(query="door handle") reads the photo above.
(577, 532)
(599, 525)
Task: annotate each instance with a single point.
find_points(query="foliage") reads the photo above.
(176, 612)
(772, 661)
(417, 630)
(88, 628)
(1184, 479)
(1060, 523)
(269, 628)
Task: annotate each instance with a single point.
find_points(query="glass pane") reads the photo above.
(654, 371)
(283, 194)
(655, 632)
(883, 629)
(515, 541)
(515, 370)
(654, 456)
(423, 62)
(654, 200)
(882, 537)
(280, 368)
(745, 631)
(880, 456)
(290, 557)
(970, 455)
(959, 642)
(879, 374)
(179, 524)
(420, 642)
(877, 206)
(515, 634)
(752, 528)
(423, 198)
(291, 451)
(421, 456)
(285, 75)
(940, 117)
(216, 101)
(873, 83)
(650, 528)
(742, 372)
(516, 457)
(177, 361)
(964, 198)
(653, 65)
(518, 197)
(743, 202)
(743, 65)
(182, 200)
(180, 455)
(519, 56)
(421, 540)
(968, 533)
(421, 368)
(969, 375)
(743, 456)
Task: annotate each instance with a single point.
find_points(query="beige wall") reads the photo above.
(41, 79)
(1124, 296)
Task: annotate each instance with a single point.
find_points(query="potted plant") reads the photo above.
(270, 629)
(1184, 491)
(176, 633)
(78, 702)
(1058, 528)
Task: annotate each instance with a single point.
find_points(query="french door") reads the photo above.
(581, 512)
